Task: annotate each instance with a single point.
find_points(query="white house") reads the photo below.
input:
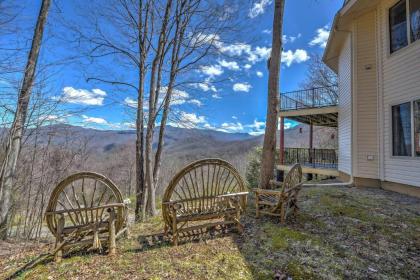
(374, 47)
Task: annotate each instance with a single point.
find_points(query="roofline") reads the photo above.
(334, 29)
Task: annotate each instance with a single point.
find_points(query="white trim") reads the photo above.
(380, 94)
(353, 96)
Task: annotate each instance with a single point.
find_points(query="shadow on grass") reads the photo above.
(47, 258)
(160, 240)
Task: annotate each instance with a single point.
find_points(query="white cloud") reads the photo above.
(195, 102)
(290, 39)
(205, 87)
(231, 127)
(321, 38)
(83, 96)
(87, 119)
(236, 49)
(245, 87)
(231, 65)
(258, 8)
(216, 96)
(212, 70)
(259, 54)
(260, 74)
(188, 120)
(291, 57)
(255, 128)
(130, 102)
(266, 31)
(179, 97)
(247, 66)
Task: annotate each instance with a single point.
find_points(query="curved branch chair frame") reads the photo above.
(204, 190)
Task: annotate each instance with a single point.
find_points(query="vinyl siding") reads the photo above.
(366, 92)
(400, 83)
(345, 108)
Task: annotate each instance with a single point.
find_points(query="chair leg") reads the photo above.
(282, 214)
(238, 217)
(257, 207)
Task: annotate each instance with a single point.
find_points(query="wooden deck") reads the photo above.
(311, 170)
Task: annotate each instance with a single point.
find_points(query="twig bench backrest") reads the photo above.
(200, 187)
(83, 205)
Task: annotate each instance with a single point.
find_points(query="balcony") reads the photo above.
(317, 106)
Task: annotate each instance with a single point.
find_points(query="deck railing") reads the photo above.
(309, 98)
(316, 158)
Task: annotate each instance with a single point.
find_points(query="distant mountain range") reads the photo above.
(179, 139)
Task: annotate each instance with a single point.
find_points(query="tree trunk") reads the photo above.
(155, 77)
(8, 168)
(269, 147)
(140, 184)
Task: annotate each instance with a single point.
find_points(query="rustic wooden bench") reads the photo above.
(281, 202)
(86, 210)
(204, 194)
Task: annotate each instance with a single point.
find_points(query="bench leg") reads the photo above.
(58, 256)
(112, 243)
(174, 228)
(175, 233)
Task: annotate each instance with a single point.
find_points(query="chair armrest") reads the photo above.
(299, 186)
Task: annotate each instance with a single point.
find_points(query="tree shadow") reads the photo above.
(159, 240)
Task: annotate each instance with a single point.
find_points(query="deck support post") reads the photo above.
(280, 173)
(311, 148)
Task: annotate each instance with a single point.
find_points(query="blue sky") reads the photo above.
(238, 104)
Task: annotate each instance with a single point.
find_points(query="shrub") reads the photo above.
(253, 168)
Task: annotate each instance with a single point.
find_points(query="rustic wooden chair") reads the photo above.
(86, 209)
(206, 193)
(281, 202)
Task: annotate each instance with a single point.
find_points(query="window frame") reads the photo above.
(408, 29)
(413, 155)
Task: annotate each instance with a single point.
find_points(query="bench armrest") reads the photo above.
(264, 191)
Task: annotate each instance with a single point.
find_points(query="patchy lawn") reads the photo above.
(340, 233)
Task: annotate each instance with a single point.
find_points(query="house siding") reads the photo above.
(366, 103)
(400, 83)
(345, 107)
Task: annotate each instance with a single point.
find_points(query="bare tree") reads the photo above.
(269, 146)
(319, 75)
(8, 167)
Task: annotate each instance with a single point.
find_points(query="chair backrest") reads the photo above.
(83, 199)
(198, 184)
(293, 178)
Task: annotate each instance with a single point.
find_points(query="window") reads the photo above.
(417, 127)
(404, 24)
(398, 26)
(401, 129)
(415, 20)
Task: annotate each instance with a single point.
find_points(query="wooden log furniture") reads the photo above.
(281, 202)
(86, 209)
(206, 193)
